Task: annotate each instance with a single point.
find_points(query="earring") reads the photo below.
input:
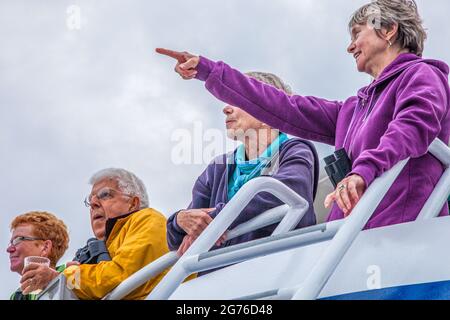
(390, 43)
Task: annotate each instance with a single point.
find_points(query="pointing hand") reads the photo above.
(186, 62)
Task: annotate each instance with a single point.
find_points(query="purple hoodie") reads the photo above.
(397, 116)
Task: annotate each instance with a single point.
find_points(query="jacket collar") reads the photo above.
(110, 223)
(402, 62)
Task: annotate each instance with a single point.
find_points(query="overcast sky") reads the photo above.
(77, 100)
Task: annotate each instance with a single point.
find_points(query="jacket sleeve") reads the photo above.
(201, 196)
(421, 107)
(296, 170)
(144, 242)
(305, 117)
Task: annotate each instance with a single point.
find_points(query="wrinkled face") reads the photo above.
(25, 248)
(107, 202)
(239, 123)
(367, 48)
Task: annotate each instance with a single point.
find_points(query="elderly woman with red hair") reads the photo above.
(36, 234)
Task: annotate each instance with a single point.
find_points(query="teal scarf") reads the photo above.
(247, 170)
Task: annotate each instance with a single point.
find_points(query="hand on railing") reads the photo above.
(188, 240)
(347, 194)
(194, 222)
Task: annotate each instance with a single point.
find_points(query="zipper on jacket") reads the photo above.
(359, 107)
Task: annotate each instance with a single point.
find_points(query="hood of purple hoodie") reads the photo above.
(402, 62)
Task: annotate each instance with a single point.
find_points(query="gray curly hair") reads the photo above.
(128, 183)
(271, 79)
(386, 13)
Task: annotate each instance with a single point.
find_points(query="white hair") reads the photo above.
(271, 79)
(128, 183)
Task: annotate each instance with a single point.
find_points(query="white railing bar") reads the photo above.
(441, 151)
(439, 197)
(207, 262)
(220, 224)
(262, 220)
(140, 277)
(268, 217)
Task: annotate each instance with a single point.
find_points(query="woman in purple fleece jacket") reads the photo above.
(395, 117)
(264, 151)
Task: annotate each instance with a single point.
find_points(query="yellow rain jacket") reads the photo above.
(134, 241)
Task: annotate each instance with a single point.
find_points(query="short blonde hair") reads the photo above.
(48, 227)
(385, 13)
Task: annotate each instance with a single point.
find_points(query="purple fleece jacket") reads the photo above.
(397, 116)
(298, 169)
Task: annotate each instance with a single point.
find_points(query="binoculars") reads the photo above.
(337, 166)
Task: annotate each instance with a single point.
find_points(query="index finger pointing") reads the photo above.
(173, 54)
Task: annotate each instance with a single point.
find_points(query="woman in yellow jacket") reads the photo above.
(135, 235)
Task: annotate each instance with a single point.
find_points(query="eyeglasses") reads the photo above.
(17, 240)
(102, 195)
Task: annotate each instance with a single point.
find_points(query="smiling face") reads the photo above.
(240, 123)
(18, 252)
(107, 202)
(368, 49)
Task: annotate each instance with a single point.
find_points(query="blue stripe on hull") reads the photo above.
(425, 291)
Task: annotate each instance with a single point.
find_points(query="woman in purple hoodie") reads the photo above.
(396, 117)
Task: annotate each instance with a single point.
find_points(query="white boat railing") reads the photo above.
(153, 269)
(294, 239)
(342, 233)
(341, 242)
(192, 261)
(288, 216)
(330, 259)
(57, 289)
(297, 209)
(440, 193)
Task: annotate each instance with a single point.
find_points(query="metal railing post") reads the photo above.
(435, 202)
(327, 263)
(220, 224)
